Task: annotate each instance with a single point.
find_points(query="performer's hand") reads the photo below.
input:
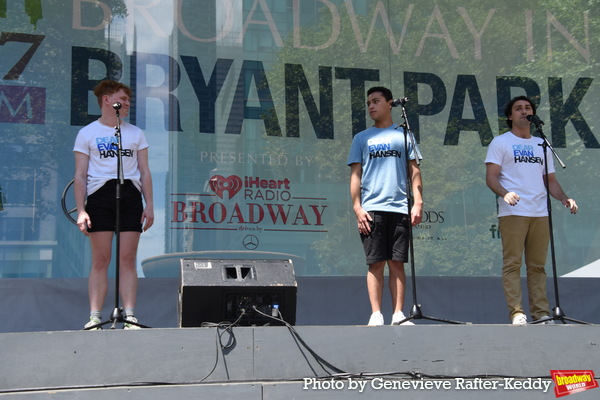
(363, 218)
(511, 198)
(84, 222)
(147, 219)
(416, 216)
(571, 205)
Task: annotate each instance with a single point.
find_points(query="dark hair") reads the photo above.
(511, 103)
(385, 92)
(108, 87)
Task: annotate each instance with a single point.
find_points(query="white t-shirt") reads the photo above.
(99, 143)
(522, 171)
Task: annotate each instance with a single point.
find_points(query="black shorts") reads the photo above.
(101, 206)
(388, 239)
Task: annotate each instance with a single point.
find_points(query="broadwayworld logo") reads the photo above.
(570, 381)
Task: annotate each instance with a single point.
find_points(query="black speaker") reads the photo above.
(222, 290)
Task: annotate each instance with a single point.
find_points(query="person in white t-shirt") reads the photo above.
(378, 189)
(95, 197)
(515, 172)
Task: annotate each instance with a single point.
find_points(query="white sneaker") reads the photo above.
(93, 321)
(399, 316)
(376, 319)
(131, 326)
(546, 321)
(519, 319)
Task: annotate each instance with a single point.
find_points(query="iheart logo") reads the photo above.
(232, 184)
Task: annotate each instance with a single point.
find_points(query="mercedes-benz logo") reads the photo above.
(250, 242)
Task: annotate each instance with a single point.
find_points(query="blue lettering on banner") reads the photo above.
(466, 90)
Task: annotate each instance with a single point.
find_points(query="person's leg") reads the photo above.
(399, 234)
(375, 280)
(513, 230)
(128, 278)
(536, 251)
(375, 249)
(101, 243)
(397, 284)
(131, 214)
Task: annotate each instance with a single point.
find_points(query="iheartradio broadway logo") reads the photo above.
(232, 185)
(255, 187)
(264, 201)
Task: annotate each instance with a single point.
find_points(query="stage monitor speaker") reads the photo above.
(222, 290)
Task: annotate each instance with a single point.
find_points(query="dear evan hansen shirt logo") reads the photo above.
(525, 154)
(382, 147)
(107, 147)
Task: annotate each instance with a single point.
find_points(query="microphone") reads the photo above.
(117, 106)
(534, 119)
(400, 102)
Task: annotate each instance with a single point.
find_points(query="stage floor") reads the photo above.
(310, 362)
(43, 354)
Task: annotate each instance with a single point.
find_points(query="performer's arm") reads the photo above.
(492, 179)
(146, 179)
(80, 191)
(557, 192)
(417, 192)
(362, 217)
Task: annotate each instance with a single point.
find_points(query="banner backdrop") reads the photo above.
(250, 107)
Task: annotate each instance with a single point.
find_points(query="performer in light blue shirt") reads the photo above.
(378, 186)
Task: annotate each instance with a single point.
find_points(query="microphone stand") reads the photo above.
(117, 314)
(557, 312)
(415, 312)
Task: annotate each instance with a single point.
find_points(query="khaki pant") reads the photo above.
(529, 236)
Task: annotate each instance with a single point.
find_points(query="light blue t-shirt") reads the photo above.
(381, 153)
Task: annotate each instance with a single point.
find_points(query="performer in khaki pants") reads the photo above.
(516, 173)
